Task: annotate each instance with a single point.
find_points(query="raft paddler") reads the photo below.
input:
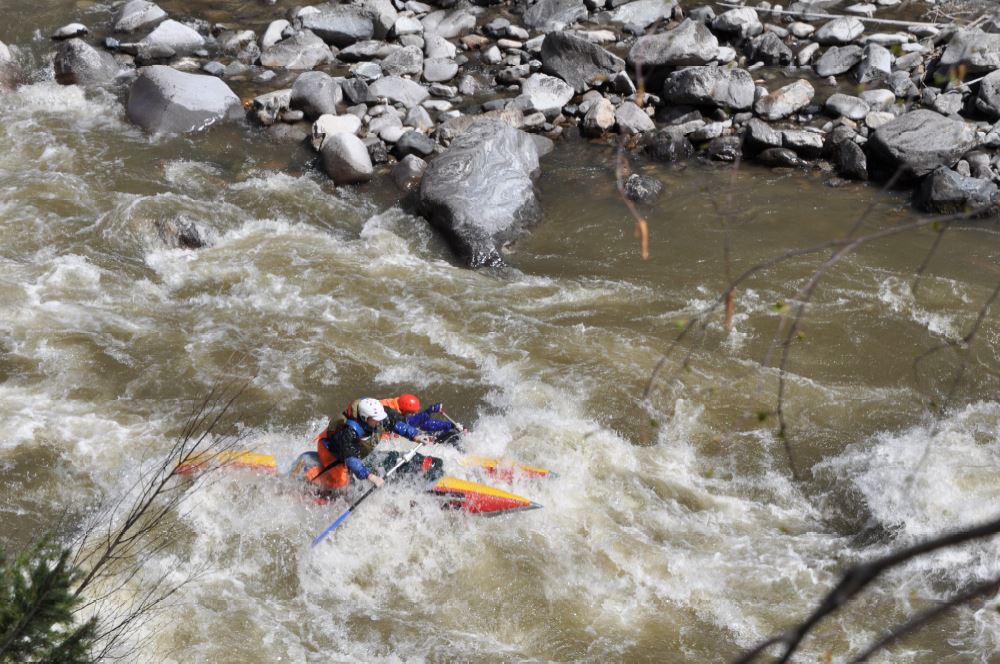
(409, 406)
(352, 435)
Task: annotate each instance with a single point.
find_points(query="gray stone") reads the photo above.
(783, 102)
(978, 52)
(838, 60)
(643, 13)
(268, 107)
(439, 70)
(949, 103)
(577, 61)
(780, 158)
(366, 71)
(398, 90)
(414, 142)
(710, 86)
(947, 191)
(840, 31)
(418, 118)
(369, 49)
(407, 60)
(875, 65)
(316, 93)
(551, 15)
(901, 85)
(436, 46)
(449, 24)
(599, 119)
(480, 193)
(274, 33)
(137, 15)
(850, 161)
(546, 94)
(741, 22)
(847, 106)
(304, 50)
(769, 49)
(668, 145)
(70, 31)
(172, 35)
(876, 119)
(806, 144)
(879, 100)
(643, 188)
(760, 136)
(341, 25)
(988, 98)
(632, 120)
(918, 142)
(724, 148)
(163, 100)
(408, 172)
(690, 43)
(78, 63)
(329, 124)
(346, 159)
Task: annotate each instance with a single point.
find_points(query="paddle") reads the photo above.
(406, 458)
(458, 426)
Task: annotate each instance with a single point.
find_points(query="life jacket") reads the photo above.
(323, 475)
(391, 403)
(349, 418)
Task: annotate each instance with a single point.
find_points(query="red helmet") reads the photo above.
(408, 404)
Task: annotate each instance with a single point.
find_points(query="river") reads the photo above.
(675, 531)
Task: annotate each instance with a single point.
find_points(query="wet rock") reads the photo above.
(769, 49)
(840, 31)
(180, 233)
(316, 94)
(163, 100)
(947, 191)
(850, 161)
(806, 144)
(724, 148)
(780, 158)
(70, 31)
(452, 128)
(900, 84)
(917, 143)
(741, 22)
(577, 61)
(875, 65)
(632, 120)
(370, 49)
(340, 25)
(138, 15)
(690, 43)
(346, 159)
(978, 52)
(838, 60)
(303, 50)
(355, 90)
(449, 24)
(668, 145)
(643, 13)
(988, 98)
(546, 94)
(267, 108)
(408, 172)
(551, 15)
(398, 90)
(876, 119)
(329, 124)
(377, 151)
(274, 33)
(436, 46)
(78, 63)
(879, 100)
(173, 36)
(760, 136)
(599, 119)
(847, 106)
(710, 86)
(480, 193)
(439, 70)
(414, 142)
(783, 102)
(948, 104)
(643, 188)
(403, 61)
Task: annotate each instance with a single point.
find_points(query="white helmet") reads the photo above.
(371, 408)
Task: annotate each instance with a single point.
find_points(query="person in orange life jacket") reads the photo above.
(353, 435)
(409, 406)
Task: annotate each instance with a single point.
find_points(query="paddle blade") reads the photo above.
(329, 529)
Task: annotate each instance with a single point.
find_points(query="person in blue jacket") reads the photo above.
(353, 435)
(445, 431)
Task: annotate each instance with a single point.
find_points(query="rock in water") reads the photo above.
(480, 193)
(166, 101)
(917, 143)
(577, 61)
(78, 63)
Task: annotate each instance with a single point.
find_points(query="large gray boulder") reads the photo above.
(479, 193)
(171, 36)
(303, 50)
(346, 159)
(551, 15)
(690, 43)
(163, 100)
(944, 190)
(918, 142)
(643, 13)
(340, 25)
(710, 86)
(978, 52)
(578, 61)
(842, 30)
(78, 63)
(740, 22)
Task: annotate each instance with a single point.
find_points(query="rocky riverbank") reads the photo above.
(459, 101)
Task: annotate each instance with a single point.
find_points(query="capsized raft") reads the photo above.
(471, 497)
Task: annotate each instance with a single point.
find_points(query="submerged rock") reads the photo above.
(480, 193)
